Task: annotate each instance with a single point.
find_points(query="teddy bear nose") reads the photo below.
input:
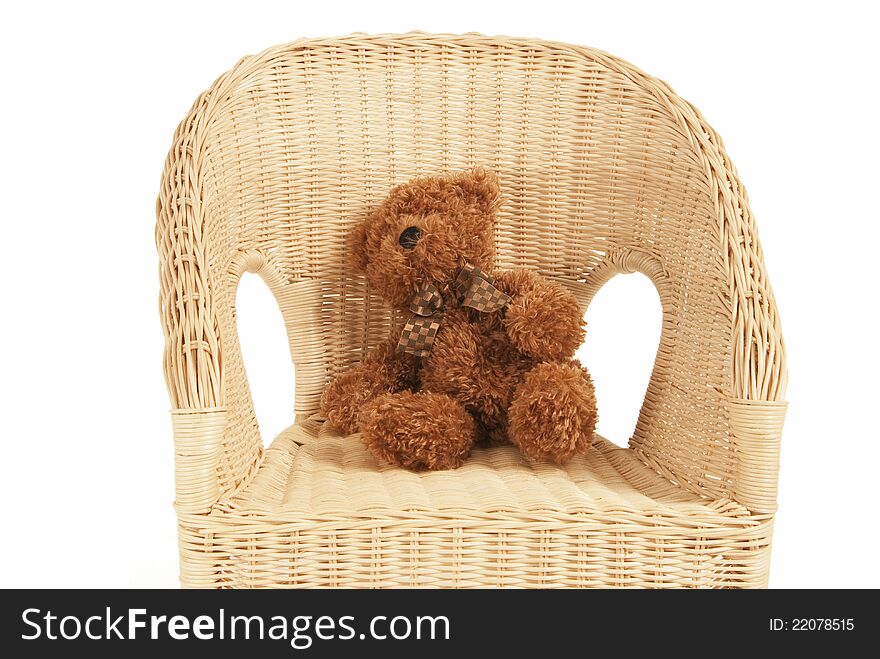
(409, 237)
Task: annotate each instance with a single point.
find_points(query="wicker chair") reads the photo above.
(605, 170)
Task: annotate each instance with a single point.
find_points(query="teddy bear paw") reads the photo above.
(421, 431)
(553, 413)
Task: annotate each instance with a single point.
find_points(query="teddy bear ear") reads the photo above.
(479, 187)
(357, 247)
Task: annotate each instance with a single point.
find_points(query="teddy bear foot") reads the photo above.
(421, 431)
(553, 413)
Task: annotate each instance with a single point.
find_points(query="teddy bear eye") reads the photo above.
(409, 237)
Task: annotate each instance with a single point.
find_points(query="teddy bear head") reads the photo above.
(425, 232)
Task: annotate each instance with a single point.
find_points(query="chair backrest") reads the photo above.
(602, 168)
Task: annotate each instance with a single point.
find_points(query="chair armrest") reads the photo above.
(713, 413)
(216, 437)
(759, 376)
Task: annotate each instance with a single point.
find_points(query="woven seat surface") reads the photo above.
(315, 470)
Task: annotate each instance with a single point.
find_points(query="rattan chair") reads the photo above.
(604, 170)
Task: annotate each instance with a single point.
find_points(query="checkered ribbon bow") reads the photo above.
(474, 288)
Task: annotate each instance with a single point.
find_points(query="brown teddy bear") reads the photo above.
(484, 357)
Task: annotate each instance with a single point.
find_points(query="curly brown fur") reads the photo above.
(543, 319)
(455, 215)
(418, 431)
(474, 361)
(553, 413)
(382, 371)
(491, 377)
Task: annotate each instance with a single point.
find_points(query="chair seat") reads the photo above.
(312, 469)
(331, 515)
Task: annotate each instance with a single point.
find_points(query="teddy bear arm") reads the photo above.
(542, 319)
(382, 371)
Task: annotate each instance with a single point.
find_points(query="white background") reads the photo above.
(90, 97)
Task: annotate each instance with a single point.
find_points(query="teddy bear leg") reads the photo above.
(383, 371)
(553, 412)
(421, 431)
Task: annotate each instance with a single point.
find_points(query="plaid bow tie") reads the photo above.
(474, 288)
